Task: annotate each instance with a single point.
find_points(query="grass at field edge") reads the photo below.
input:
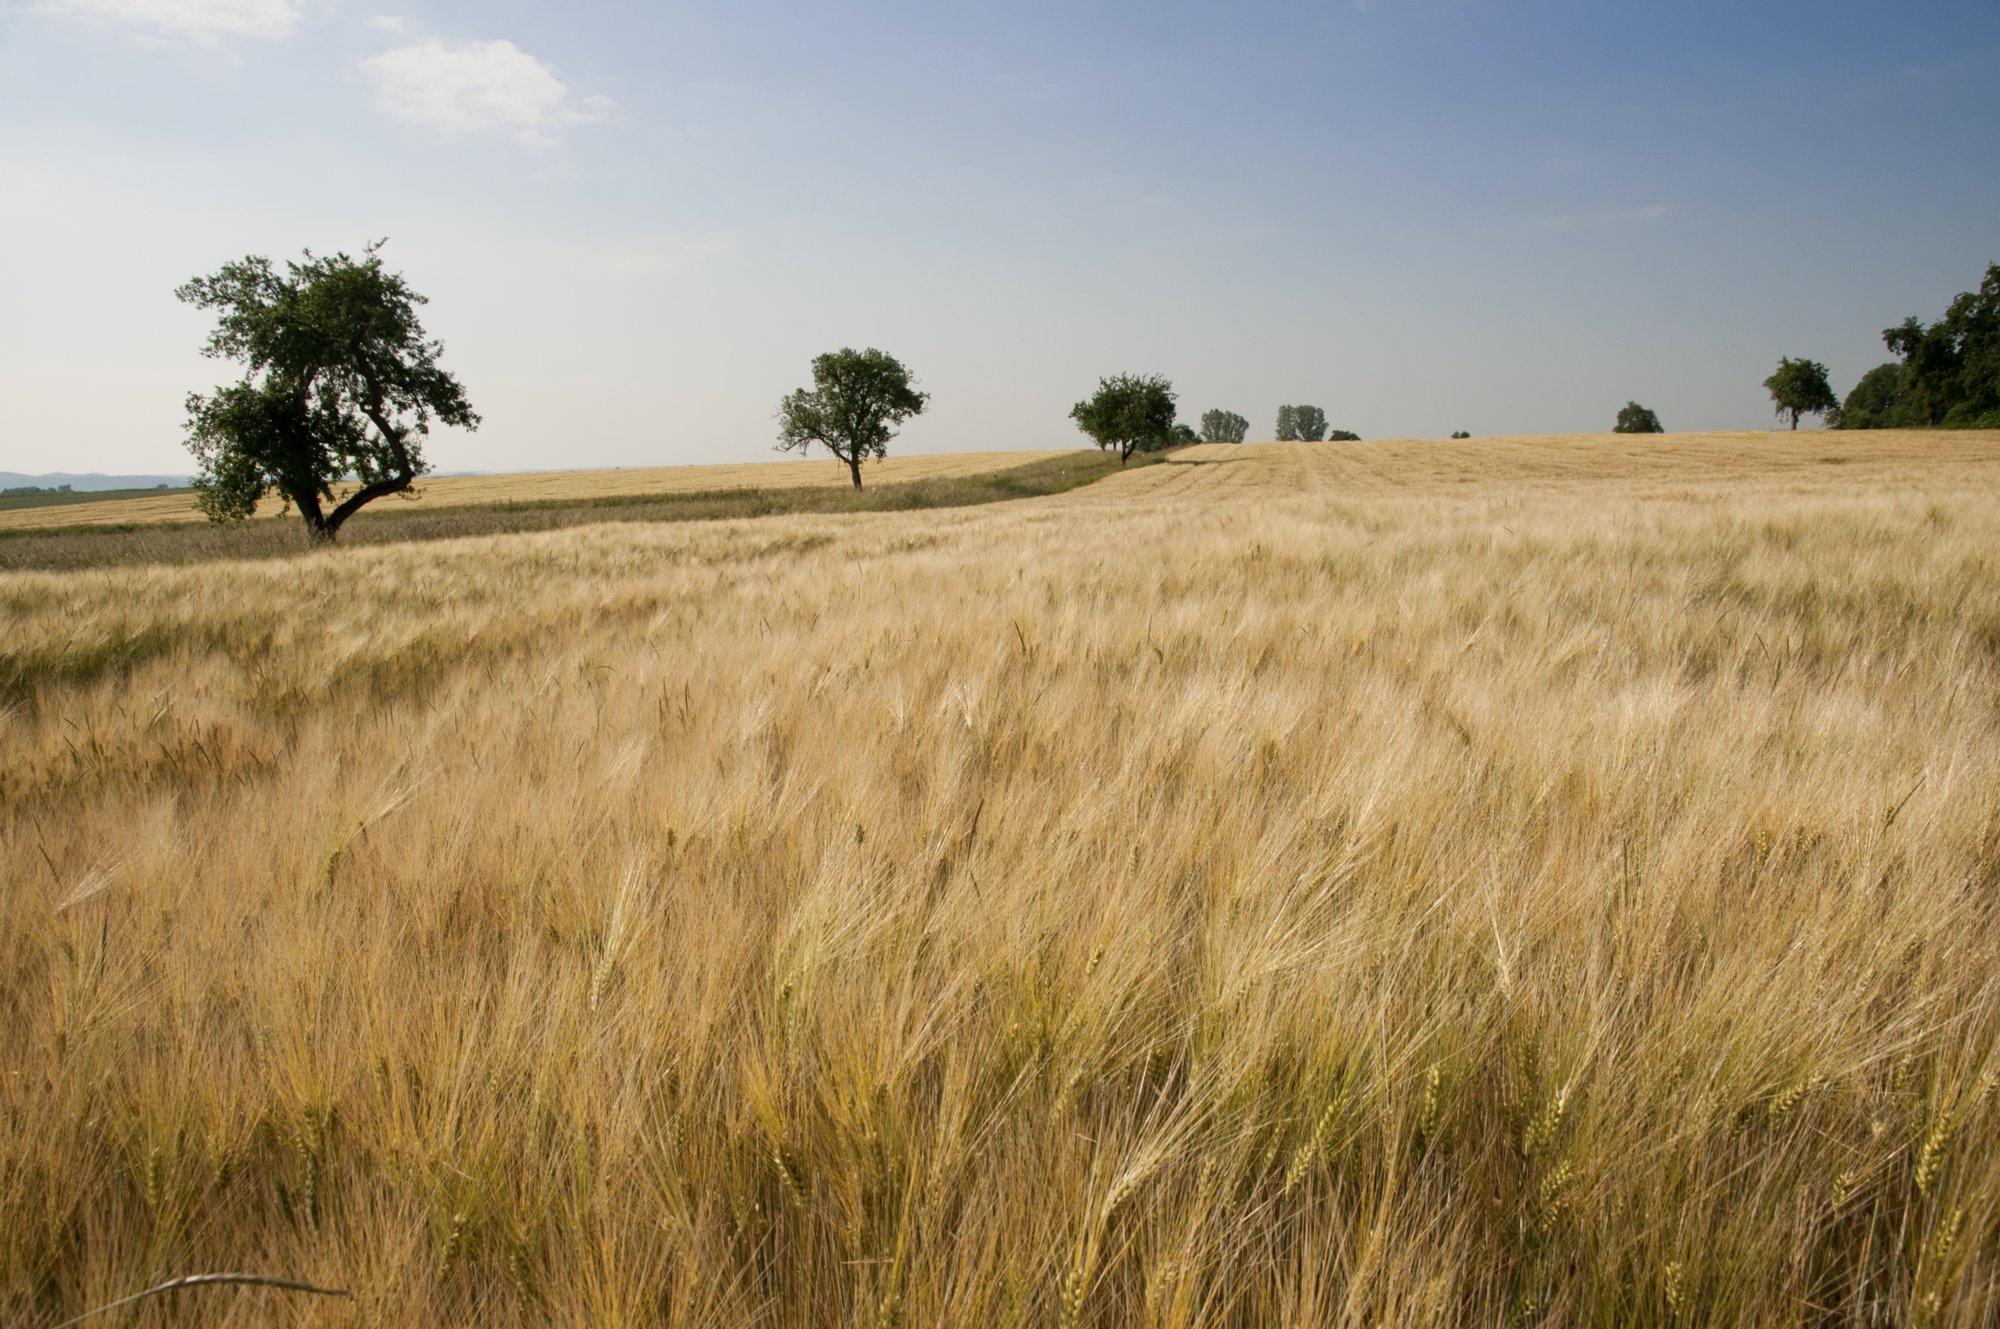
(76, 548)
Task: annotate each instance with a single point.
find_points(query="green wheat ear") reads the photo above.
(1931, 1157)
(1316, 1142)
(1542, 1130)
(453, 1245)
(1431, 1111)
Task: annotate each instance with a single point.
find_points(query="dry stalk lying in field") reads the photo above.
(208, 1280)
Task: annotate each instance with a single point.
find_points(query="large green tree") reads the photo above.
(1129, 412)
(1799, 387)
(1219, 426)
(856, 401)
(1637, 419)
(1951, 368)
(340, 385)
(1878, 401)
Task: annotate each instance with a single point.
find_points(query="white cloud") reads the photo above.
(389, 23)
(482, 87)
(191, 20)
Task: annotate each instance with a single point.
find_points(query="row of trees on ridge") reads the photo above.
(1135, 413)
(341, 384)
(1948, 376)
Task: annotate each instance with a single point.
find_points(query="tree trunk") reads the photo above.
(854, 469)
(1795, 422)
(318, 530)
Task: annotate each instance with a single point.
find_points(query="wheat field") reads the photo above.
(1533, 881)
(554, 487)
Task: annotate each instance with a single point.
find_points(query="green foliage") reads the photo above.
(1129, 412)
(1301, 424)
(1460, 433)
(1219, 426)
(1637, 419)
(1878, 401)
(1343, 436)
(856, 399)
(340, 382)
(1951, 369)
(1799, 387)
(1182, 436)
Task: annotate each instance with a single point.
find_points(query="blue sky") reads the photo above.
(638, 223)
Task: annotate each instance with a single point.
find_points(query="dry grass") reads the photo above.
(556, 487)
(1350, 884)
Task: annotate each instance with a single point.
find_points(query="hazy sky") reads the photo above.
(637, 223)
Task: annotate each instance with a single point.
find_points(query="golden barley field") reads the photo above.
(557, 487)
(1533, 881)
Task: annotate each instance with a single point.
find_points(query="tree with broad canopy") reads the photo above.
(1800, 388)
(856, 400)
(340, 385)
(1128, 412)
(1637, 419)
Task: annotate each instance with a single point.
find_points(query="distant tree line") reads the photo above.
(1219, 426)
(1301, 424)
(1948, 376)
(32, 491)
(1131, 413)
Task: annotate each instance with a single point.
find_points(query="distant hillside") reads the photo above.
(89, 483)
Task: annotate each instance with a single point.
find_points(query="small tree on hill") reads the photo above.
(1343, 436)
(1220, 426)
(1800, 388)
(1636, 419)
(1460, 433)
(1128, 412)
(340, 382)
(856, 399)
